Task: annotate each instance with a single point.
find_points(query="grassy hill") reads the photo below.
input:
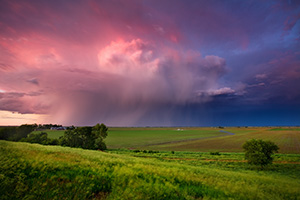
(32, 171)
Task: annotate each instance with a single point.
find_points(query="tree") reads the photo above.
(40, 138)
(85, 137)
(23, 131)
(100, 130)
(259, 152)
(16, 133)
(7, 132)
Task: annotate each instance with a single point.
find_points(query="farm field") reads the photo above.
(53, 134)
(201, 139)
(32, 171)
(197, 139)
(143, 137)
(288, 141)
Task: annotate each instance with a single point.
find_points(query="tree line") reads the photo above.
(81, 137)
(257, 152)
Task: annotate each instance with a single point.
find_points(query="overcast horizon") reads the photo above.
(150, 63)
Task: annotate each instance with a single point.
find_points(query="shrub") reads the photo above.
(259, 152)
(52, 141)
(40, 138)
(215, 153)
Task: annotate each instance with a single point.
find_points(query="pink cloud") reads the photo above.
(128, 58)
(127, 77)
(89, 61)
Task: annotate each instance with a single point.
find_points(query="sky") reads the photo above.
(150, 62)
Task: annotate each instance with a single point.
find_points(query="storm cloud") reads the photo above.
(139, 63)
(128, 79)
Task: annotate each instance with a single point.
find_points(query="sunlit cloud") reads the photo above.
(146, 61)
(13, 118)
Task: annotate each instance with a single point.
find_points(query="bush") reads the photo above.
(40, 138)
(259, 152)
(215, 153)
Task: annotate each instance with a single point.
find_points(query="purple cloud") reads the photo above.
(82, 62)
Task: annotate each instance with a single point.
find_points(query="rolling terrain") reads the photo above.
(196, 139)
(33, 171)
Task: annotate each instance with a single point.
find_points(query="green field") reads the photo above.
(144, 137)
(288, 141)
(32, 171)
(53, 134)
(196, 139)
(201, 139)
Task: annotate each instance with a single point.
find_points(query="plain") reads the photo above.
(197, 139)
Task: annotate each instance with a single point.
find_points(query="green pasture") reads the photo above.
(32, 171)
(196, 139)
(143, 137)
(285, 129)
(287, 140)
(53, 134)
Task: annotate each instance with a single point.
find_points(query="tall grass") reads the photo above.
(31, 171)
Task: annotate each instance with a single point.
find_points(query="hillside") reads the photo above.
(32, 171)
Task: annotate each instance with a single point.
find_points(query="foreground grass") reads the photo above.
(31, 171)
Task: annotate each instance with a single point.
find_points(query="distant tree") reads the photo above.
(40, 138)
(16, 133)
(216, 153)
(71, 127)
(7, 132)
(85, 137)
(100, 144)
(100, 130)
(259, 152)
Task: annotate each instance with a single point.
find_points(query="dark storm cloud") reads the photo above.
(148, 62)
